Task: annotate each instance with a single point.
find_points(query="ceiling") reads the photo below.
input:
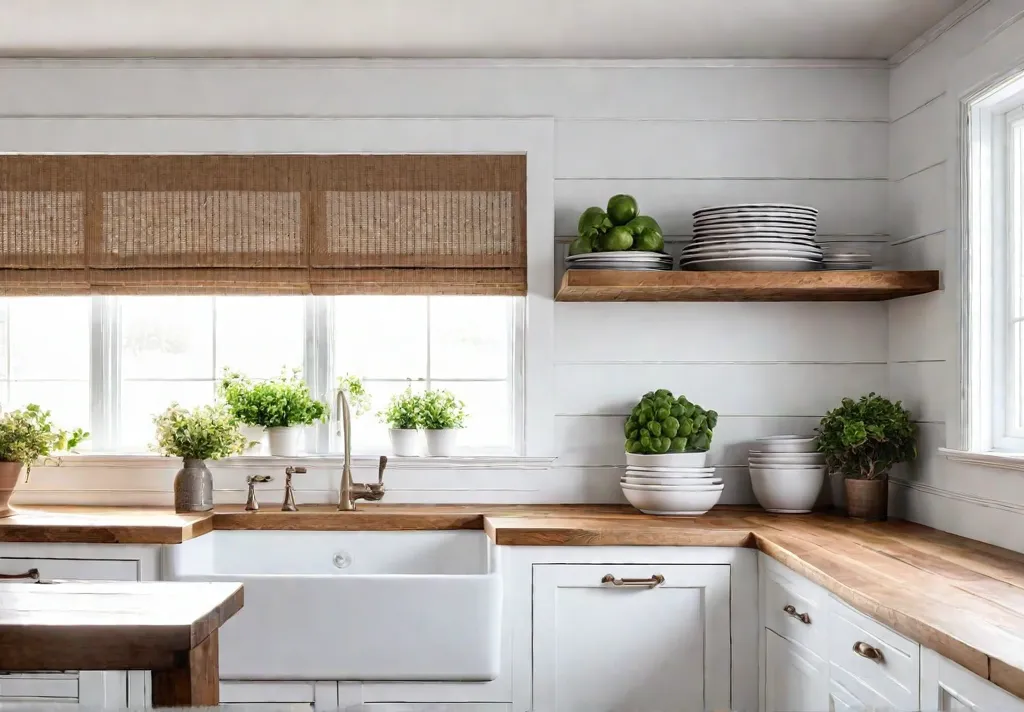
(602, 29)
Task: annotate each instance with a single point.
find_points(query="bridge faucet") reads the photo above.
(351, 491)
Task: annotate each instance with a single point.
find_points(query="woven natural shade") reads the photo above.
(350, 224)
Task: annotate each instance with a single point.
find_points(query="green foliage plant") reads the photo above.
(661, 423)
(403, 411)
(441, 410)
(863, 439)
(358, 398)
(208, 432)
(28, 434)
(280, 402)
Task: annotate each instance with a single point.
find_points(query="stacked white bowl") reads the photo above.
(671, 485)
(787, 473)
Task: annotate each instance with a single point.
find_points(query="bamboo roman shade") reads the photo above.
(347, 224)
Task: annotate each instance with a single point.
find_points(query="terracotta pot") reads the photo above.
(193, 487)
(868, 499)
(10, 473)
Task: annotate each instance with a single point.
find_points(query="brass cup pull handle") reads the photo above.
(802, 617)
(651, 582)
(32, 574)
(868, 651)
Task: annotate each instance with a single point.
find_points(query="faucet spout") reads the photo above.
(349, 492)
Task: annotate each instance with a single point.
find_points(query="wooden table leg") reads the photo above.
(195, 682)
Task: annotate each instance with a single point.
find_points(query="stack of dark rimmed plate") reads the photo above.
(625, 260)
(754, 237)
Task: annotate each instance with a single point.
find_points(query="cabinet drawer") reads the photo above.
(794, 607)
(893, 671)
(78, 569)
(43, 685)
(244, 691)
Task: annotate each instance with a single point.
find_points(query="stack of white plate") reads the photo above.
(675, 486)
(847, 258)
(625, 260)
(756, 237)
(787, 473)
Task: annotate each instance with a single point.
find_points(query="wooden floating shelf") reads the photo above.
(821, 286)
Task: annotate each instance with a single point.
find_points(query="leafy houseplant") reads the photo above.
(27, 435)
(661, 424)
(209, 432)
(282, 405)
(357, 395)
(863, 439)
(403, 417)
(442, 415)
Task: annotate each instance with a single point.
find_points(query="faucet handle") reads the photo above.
(294, 470)
(380, 471)
(257, 479)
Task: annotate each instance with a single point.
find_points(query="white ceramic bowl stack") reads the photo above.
(787, 472)
(755, 237)
(672, 485)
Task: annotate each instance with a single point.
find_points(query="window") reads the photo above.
(994, 349)
(109, 364)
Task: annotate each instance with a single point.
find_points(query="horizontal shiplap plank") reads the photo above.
(737, 332)
(920, 329)
(720, 149)
(926, 252)
(853, 207)
(921, 139)
(598, 439)
(423, 88)
(925, 387)
(918, 203)
(731, 389)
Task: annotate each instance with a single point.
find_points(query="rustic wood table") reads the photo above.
(167, 627)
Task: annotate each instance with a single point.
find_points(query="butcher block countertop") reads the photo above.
(959, 597)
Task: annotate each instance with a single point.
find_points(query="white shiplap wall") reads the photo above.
(678, 136)
(980, 503)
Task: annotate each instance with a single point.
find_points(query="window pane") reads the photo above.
(489, 409)
(141, 401)
(49, 338)
(67, 401)
(470, 337)
(167, 337)
(260, 335)
(381, 336)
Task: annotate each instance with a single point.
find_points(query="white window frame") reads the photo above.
(198, 135)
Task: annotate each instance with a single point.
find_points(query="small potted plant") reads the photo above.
(442, 415)
(358, 398)
(665, 431)
(861, 441)
(282, 405)
(209, 432)
(402, 416)
(27, 435)
(232, 390)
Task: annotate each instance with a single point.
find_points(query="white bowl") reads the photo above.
(787, 490)
(671, 481)
(787, 443)
(669, 459)
(768, 465)
(788, 458)
(672, 503)
(685, 473)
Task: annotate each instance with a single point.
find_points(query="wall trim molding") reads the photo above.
(938, 30)
(959, 496)
(996, 460)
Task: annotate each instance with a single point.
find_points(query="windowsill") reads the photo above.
(158, 462)
(997, 460)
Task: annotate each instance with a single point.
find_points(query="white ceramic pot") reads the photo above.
(404, 442)
(441, 443)
(253, 433)
(669, 459)
(787, 490)
(284, 442)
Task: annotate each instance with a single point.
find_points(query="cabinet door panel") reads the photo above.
(598, 646)
(866, 693)
(948, 687)
(796, 680)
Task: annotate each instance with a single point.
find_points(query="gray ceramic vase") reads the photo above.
(193, 487)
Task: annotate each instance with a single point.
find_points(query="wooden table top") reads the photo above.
(959, 597)
(111, 625)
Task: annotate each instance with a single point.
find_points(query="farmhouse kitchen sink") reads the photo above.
(353, 605)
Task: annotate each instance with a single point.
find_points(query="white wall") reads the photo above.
(978, 502)
(678, 136)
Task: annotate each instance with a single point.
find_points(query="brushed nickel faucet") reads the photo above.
(351, 491)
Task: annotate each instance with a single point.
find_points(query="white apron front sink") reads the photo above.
(353, 605)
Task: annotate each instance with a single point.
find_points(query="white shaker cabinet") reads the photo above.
(947, 687)
(796, 680)
(637, 637)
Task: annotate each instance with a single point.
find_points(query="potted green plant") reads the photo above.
(862, 440)
(358, 397)
(665, 431)
(402, 416)
(208, 432)
(442, 415)
(232, 390)
(283, 406)
(27, 435)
